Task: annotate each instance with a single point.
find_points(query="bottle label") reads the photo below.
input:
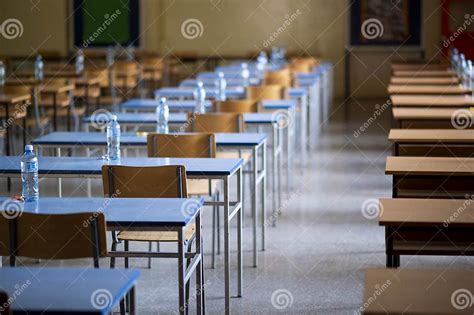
(31, 167)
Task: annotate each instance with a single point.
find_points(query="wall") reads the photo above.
(230, 27)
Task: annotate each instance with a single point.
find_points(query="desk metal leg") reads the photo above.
(181, 273)
(254, 203)
(280, 169)
(89, 182)
(226, 245)
(132, 301)
(288, 160)
(239, 234)
(264, 192)
(275, 169)
(60, 189)
(199, 267)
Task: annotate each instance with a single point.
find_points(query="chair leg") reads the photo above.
(125, 245)
(188, 284)
(150, 248)
(122, 307)
(213, 256)
(218, 226)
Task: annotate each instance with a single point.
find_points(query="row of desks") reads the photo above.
(428, 164)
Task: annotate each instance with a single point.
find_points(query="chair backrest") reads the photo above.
(300, 66)
(53, 236)
(279, 77)
(168, 181)
(235, 106)
(189, 145)
(218, 122)
(265, 92)
(4, 304)
(17, 89)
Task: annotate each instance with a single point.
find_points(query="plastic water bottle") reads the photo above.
(469, 78)
(110, 55)
(262, 61)
(162, 116)
(29, 175)
(39, 68)
(79, 61)
(221, 86)
(2, 73)
(245, 73)
(200, 98)
(113, 139)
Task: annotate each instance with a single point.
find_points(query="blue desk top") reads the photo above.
(120, 212)
(181, 118)
(85, 166)
(143, 103)
(211, 82)
(176, 92)
(142, 118)
(279, 104)
(297, 92)
(66, 290)
(133, 139)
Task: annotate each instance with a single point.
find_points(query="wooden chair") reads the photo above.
(217, 122)
(265, 92)
(145, 182)
(279, 77)
(194, 145)
(235, 106)
(58, 236)
(4, 304)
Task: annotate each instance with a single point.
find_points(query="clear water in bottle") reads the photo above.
(221, 86)
(200, 98)
(79, 61)
(113, 139)
(29, 175)
(245, 73)
(162, 116)
(2, 73)
(39, 68)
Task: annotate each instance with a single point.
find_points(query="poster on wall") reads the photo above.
(106, 22)
(385, 23)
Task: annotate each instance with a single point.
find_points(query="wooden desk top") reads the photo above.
(432, 100)
(422, 212)
(427, 89)
(56, 88)
(431, 135)
(424, 73)
(439, 81)
(414, 113)
(432, 166)
(416, 66)
(416, 291)
(10, 99)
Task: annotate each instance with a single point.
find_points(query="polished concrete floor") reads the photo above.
(324, 239)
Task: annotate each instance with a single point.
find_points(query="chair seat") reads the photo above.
(63, 112)
(81, 92)
(234, 155)
(61, 100)
(199, 187)
(158, 236)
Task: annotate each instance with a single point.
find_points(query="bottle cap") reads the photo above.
(162, 100)
(113, 117)
(29, 148)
